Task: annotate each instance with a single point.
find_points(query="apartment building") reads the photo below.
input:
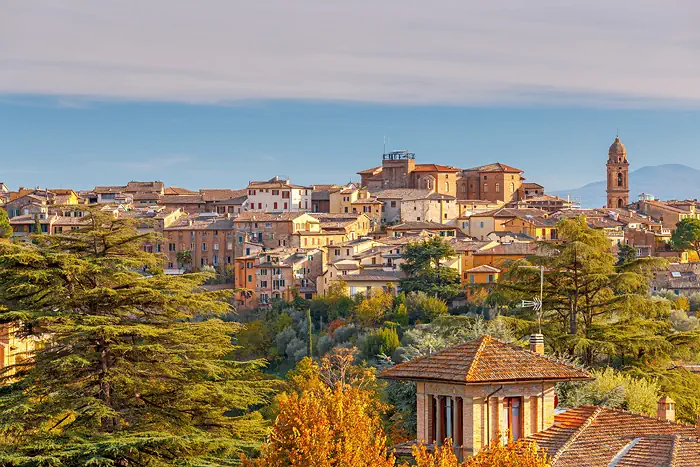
(200, 240)
(280, 273)
(277, 195)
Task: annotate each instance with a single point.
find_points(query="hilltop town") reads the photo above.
(489, 213)
(451, 285)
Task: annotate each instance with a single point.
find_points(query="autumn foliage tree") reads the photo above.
(520, 453)
(331, 417)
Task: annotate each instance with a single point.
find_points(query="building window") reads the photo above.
(393, 204)
(275, 205)
(447, 186)
(511, 407)
(512, 187)
(285, 195)
(498, 187)
(204, 247)
(619, 179)
(486, 187)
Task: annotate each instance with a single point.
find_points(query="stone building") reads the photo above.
(492, 182)
(399, 170)
(618, 176)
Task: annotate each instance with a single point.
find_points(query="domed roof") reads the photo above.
(617, 148)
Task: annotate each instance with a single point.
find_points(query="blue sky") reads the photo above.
(220, 92)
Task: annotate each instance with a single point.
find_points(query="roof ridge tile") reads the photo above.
(485, 339)
(574, 436)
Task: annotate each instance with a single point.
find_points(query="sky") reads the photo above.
(215, 93)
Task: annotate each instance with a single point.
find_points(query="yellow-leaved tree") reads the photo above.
(330, 417)
(520, 453)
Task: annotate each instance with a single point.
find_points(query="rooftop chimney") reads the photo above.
(666, 409)
(537, 343)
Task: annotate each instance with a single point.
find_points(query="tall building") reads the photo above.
(618, 180)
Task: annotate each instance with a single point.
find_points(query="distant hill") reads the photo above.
(668, 181)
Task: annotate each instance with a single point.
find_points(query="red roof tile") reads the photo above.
(484, 360)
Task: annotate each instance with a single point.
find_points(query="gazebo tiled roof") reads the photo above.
(482, 361)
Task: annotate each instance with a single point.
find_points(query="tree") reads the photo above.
(591, 308)
(309, 333)
(424, 308)
(331, 416)
(382, 341)
(687, 235)
(132, 370)
(184, 257)
(612, 388)
(626, 255)
(424, 269)
(374, 308)
(5, 226)
(521, 453)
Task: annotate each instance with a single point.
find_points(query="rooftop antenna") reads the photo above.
(384, 145)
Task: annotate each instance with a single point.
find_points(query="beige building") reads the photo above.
(478, 392)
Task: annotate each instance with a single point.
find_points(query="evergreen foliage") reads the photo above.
(687, 235)
(5, 226)
(424, 271)
(132, 368)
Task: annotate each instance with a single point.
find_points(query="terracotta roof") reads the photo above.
(176, 190)
(135, 187)
(371, 171)
(531, 185)
(252, 216)
(505, 249)
(495, 167)
(589, 436)
(484, 268)
(421, 226)
(435, 168)
(511, 212)
(485, 360)
(181, 199)
(109, 189)
(220, 194)
(402, 193)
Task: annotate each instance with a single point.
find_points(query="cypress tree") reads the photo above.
(133, 365)
(309, 333)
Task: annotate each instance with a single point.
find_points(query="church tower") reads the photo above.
(618, 181)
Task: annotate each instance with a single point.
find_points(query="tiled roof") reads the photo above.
(531, 185)
(134, 187)
(589, 436)
(374, 276)
(402, 193)
(485, 360)
(435, 168)
(109, 189)
(370, 171)
(252, 216)
(484, 268)
(515, 248)
(511, 212)
(181, 199)
(421, 226)
(176, 190)
(495, 167)
(219, 194)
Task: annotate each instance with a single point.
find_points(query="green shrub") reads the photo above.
(382, 341)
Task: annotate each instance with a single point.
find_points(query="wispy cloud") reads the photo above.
(626, 53)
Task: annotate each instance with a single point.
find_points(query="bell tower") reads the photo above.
(618, 180)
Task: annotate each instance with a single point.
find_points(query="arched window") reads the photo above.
(464, 187)
(447, 186)
(512, 187)
(498, 187)
(486, 187)
(619, 179)
(619, 202)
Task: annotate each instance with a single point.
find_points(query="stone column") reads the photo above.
(440, 420)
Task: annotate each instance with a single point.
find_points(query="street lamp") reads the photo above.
(536, 303)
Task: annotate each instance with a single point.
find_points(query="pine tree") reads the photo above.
(591, 308)
(132, 368)
(424, 271)
(687, 235)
